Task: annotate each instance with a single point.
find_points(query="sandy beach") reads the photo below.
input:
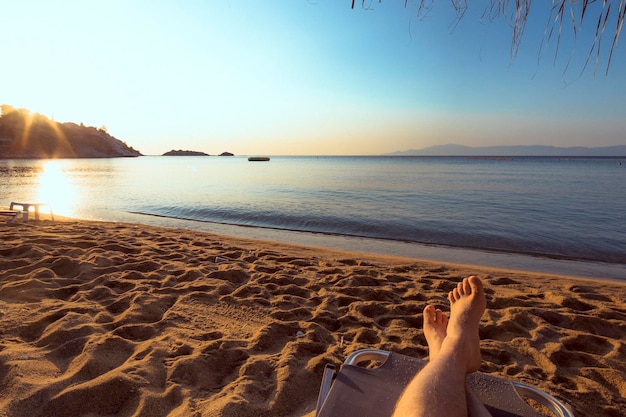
(103, 319)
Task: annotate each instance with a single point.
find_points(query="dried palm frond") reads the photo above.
(517, 11)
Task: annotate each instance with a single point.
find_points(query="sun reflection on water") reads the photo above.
(56, 190)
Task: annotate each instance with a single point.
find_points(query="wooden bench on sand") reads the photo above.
(26, 208)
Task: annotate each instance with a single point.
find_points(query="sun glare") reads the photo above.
(55, 189)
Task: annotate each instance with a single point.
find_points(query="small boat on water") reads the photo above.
(258, 158)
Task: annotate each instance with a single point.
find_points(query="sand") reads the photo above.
(111, 319)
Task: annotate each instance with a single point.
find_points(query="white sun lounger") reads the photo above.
(373, 392)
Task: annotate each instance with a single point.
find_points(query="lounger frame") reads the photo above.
(381, 356)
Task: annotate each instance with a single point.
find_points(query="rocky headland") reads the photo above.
(27, 135)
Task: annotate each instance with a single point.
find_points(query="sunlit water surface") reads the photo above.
(546, 207)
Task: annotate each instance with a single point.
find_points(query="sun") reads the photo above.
(55, 189)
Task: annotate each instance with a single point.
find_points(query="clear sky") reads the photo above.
(306, 77)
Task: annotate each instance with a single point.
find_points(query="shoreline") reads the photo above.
(417, 251)
(129, 319)
(374, 247)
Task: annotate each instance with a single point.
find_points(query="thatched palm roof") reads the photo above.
(607, 16)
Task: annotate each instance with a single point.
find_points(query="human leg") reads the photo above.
(439, 389)
(435, 331)
(467, 304)
(475, 407)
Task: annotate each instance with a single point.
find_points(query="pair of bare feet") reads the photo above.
(467, 304)
(454, 349)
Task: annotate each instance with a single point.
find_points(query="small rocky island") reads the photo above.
(192, 153)
(184, 153)
(27, 135)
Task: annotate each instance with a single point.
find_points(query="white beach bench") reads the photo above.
(26, 208)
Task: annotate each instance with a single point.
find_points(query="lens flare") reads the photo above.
(56, 190)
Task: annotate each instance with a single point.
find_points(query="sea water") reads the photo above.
(545, 207)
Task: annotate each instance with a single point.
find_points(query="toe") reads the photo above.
(438, 315)
(474, 284)
(461, 288)
(444, 320)
(429, 313)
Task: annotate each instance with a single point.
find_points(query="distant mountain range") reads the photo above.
(536, 150)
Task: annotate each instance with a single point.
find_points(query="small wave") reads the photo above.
(332, 225)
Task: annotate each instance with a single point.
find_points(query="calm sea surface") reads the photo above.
(548, 208)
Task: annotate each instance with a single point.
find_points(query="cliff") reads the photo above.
(25, 135)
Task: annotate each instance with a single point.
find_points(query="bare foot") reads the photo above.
(435, 331)
(467, 304)
(435, 324)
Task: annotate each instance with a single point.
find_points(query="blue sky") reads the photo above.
(305, 77)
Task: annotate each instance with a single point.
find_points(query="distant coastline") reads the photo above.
(518, 150)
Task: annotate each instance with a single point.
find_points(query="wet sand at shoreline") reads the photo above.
(132, 320)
